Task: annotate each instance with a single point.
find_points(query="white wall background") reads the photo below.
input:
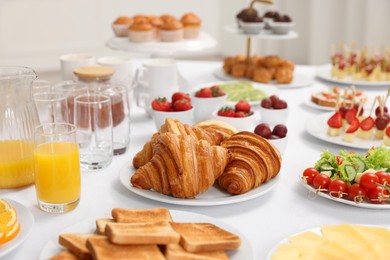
(36, 32)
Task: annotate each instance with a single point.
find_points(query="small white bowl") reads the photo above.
(274, 116)
(252, 28)
(186, 117)
(281, 27)
(204, 107)
(241, 123)
(280, 143)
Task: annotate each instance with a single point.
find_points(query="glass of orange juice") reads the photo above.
(57, 167)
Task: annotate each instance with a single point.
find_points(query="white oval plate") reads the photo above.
(299, 80)
(26, 220)
(317, 126)
(269, 90)
(363, 204)
(214, 196)
(324, 73)
(245, 251)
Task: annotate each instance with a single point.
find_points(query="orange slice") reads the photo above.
(4, 205)
(7, 220)
(10, 234)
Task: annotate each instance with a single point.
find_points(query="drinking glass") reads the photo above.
(57, 167)
(52, 107)
(41, 85)
(120, 109)
(93, 119)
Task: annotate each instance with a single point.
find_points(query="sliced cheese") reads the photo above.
(290, 251)
(378, 237)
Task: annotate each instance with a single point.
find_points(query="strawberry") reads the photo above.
(204, 93)
(350, 115)
(217, 91)
(240, 114)
(182, 105)
(179, 95)
(335, 121)
(226, 111)
(161, 104)
(354, 126)
(367, 123)
(243, 106)
(388, 131)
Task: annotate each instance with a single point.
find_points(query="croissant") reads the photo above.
(182, 166)
(217, 126)
(255, 161)
(175, 127)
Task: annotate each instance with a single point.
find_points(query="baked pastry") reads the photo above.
(262, 74)
(225, 129)
(191, 24)
(255, 161)
(239, 69)
(141, 31)
(171, 30)
(182, 166)
(284, 75)
(167, 17)
(121, 26)
(175, 127)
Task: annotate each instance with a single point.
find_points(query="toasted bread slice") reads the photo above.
(205, 237)
(147, 233)
(101, 224)
(64, 255)
(102, 249)
(76, 243)
(140, 215)
(176, 252)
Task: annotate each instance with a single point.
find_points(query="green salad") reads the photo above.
(242, 90)
(347, 165)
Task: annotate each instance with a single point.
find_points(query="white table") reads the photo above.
(264, 220)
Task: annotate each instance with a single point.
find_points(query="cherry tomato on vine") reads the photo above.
(321, 181)
(369, 181)
(338, 188)
(378, 195)
(356, 193)
(309, 174)
(382, 176)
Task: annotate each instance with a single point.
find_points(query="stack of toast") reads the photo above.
(148, 234)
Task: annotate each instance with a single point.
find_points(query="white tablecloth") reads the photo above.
(264, 221)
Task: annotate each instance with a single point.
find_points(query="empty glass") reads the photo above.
(52, 107)
(41, 85)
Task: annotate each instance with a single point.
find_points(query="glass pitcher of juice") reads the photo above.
(18, 119)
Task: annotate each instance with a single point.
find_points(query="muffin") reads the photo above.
(251, 22)
(282, 24)
(141, 31)
(246, 13)
(269, 17)
(121, 25)
(156, 22)
(167, 18)
(140, 18)
(191, 24)
(171, 30)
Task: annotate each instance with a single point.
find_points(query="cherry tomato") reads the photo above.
(369, 181)
(338, 188)
(356, 193)
(309, 174)
(339, 160)
(378, 195)
(321, 181)
(382, 176)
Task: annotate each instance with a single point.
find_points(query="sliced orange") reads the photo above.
(10, 234)
(4, 205)
(8, 219)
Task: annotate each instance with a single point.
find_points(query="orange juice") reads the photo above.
(57, 172)
(16, 163)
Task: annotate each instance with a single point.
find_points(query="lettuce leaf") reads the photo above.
(378, 158)
(326, 157)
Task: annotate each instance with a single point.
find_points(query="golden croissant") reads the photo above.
(175, 127)
(255, 160)
(182, 166)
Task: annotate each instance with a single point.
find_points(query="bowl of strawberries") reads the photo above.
(179, 107)
(240, 116)
(206, 100)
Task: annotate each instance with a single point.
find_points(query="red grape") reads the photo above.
(280, 130)
(266, 103)
(263, 130)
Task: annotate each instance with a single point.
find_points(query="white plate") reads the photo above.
(324, 72)
(317, 126)
(263, 34)
(311, 104)
(204, 41)
(245, 251)
(214, 196)
(299, 80)
(363, 204)
(26, 220)
(268, 89)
